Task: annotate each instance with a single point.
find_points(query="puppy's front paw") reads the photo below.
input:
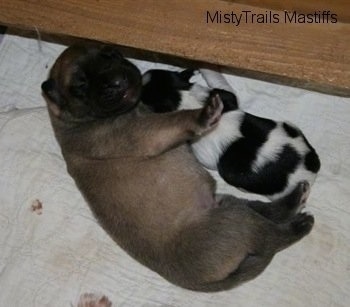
(211, 113)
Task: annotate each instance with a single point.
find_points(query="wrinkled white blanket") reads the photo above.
(50, 256)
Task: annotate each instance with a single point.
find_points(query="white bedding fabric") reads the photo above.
(50, 259)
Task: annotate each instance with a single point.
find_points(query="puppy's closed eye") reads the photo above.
(79, 86)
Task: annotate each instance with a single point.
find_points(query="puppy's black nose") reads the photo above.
(121, 82)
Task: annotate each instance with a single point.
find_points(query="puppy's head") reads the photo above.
(161, 88)
(95, 82)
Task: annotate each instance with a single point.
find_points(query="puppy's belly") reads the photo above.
(154, 195)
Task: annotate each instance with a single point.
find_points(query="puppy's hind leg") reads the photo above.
(255, 263)
(232, 244)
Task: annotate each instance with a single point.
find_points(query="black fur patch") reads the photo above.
(255, 131)
(256, 127)
(270, 179)
(235, 165)
(229, 99)
(291, 131)
(161, 93)
(312, 162)
(240, 155)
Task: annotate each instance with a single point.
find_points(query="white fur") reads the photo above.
(194, 98)
(209, 147)
(215, 79)
(199, 92)
(146, 78)
(277, 139)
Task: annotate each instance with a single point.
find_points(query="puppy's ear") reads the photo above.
(49, 89)
(186, 74)
(182, 79)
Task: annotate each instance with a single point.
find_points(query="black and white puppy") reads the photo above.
(252, 153)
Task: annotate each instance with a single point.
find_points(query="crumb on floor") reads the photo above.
(37, 207)
(94, 300)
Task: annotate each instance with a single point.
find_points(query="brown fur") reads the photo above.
(150, 194)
